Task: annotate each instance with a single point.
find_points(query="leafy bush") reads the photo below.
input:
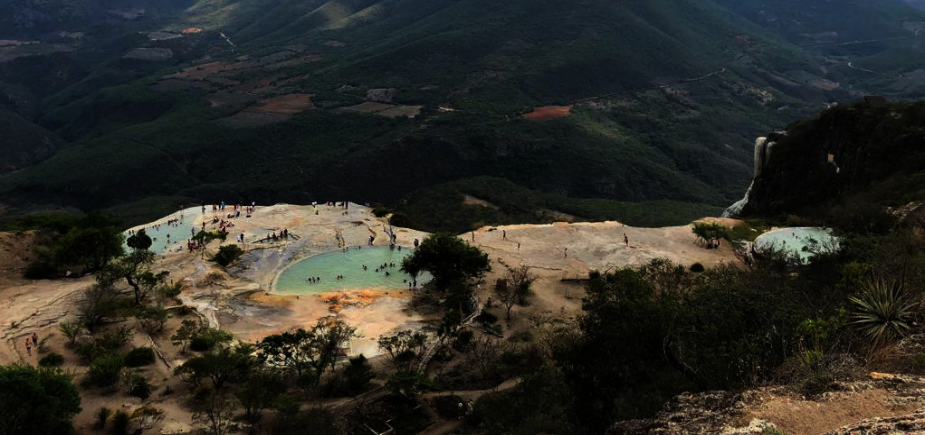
(105, 370)
(358, 374)
(120, 422)
(70, 330)
(206, 338)
(486, 318)
(172, 290)
(51, 360)
(380, 210)
(136, 384)
(36, 400)
(710, 232)
(40, 269)
(139, 356)
(918, 363)
(227, 254)
(463, 338)
(111, 342)
(151, 318)
(101, 416)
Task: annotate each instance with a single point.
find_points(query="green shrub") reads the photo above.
(380, 210)
(51, 360)
(104, 371)
(697, 268)
(463, 339)
(486, 318)
(40, 269)
(206, 338)
(227, 254)
(173, 290)
(918, 362)
(139, 356)
(137, 385)
(70, 330)
(120, 422)
(151, 318)
(116, 339)
(358, 374)
(101, 416)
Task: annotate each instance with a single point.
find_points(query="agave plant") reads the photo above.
(882, 311)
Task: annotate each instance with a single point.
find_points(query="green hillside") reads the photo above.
(666, 98)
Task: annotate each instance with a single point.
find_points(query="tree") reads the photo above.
(710, 233)
(185, 333)
(258, 391)
(139, 241)
(151, 318)
(100, 302)
(135, 269)
(306, 354)
(36, 401)
(358, 374)
(70, 330)
(409, 383)
(403, 349)
(105, 370)
(481, 356)
(148, 416)
(448, 259)
(91, 247)
(214, 409)
(227, 254)
(223, 366)
(515, 288)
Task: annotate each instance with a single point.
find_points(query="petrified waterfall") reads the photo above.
(762, 155)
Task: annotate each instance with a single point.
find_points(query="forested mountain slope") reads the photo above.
(663, 100)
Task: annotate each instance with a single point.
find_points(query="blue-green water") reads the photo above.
(327, 266)
(801, 241)
(170, 237)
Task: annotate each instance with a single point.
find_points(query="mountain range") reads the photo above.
(596, 109)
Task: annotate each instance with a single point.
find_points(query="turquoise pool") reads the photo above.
(170, 237)
(349, 264)
(799, 241)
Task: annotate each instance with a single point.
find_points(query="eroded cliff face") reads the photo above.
(872, 151)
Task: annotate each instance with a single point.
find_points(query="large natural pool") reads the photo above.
(171, 237)
(348, 264)
(801, 241)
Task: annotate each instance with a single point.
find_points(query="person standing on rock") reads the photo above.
(35, 340)
(503, 234)
(29, 346)
(626, 240)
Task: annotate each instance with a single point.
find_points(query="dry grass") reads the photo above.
(548, 112)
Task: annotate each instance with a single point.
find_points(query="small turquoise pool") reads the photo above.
(348, 264)
(801, 241)
(171, 237)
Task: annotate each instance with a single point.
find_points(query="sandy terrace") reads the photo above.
(240, 299)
